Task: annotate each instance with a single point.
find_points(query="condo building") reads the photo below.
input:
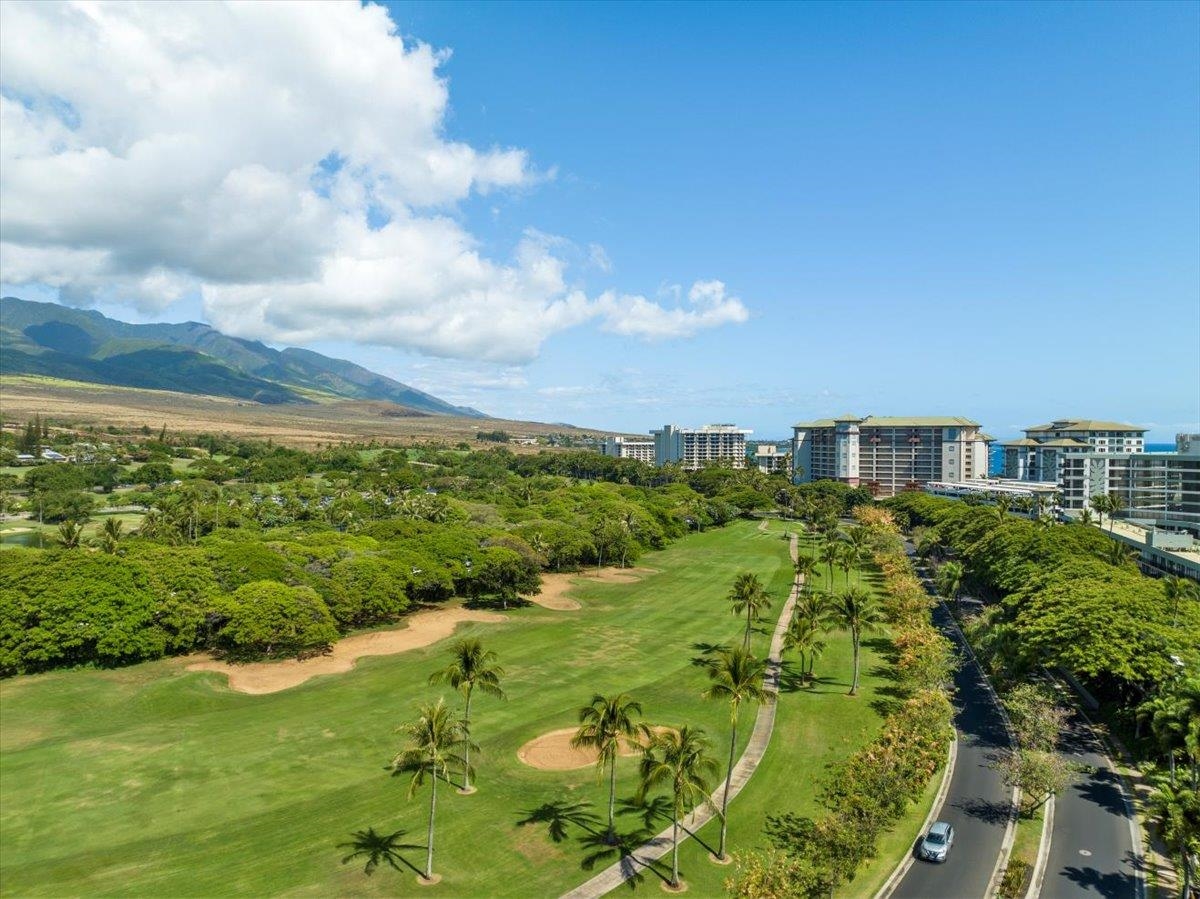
(1087, 458)
(889, 455)
(1040, 454)
(629, 448)
(694, 448)
(770, 459)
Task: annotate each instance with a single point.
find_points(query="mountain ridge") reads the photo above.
(190, 357)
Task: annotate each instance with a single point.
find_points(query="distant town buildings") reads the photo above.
(888, 455)
(1187, 443)
(693, 448)
(630, 448)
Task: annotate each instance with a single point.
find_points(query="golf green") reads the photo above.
(155, 781)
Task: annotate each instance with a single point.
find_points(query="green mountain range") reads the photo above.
(83, 345)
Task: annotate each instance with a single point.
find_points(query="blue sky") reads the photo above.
(989, 210)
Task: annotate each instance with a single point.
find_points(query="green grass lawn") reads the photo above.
(153, 781)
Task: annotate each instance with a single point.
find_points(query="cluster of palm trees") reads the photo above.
(679, 759)
(439, 742)
(1106, 504)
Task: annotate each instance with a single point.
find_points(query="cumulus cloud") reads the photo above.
(288, 162)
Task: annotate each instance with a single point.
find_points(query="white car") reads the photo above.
(936, 845)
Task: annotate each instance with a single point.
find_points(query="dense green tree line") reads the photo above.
(227, 565)
(1062, 597)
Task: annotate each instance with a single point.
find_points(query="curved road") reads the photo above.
(1092, 849)
(978, 804)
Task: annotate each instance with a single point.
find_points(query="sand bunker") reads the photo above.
(553, 751)
(423, 629)
(555, 587)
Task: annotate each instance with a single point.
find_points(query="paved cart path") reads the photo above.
(764, 723)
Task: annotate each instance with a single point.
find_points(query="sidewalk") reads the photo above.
(645, 855)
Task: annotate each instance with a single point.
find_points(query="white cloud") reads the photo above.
(636, 316)
(249, 152)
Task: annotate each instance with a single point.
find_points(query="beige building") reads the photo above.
(889, 454)
(770, 459)
(630, 448)
(1042, 453)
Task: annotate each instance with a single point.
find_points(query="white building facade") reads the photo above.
(630, 448)
(889, 455)
(693, 448)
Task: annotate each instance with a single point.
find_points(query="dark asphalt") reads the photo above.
(1091, 848)
(978, 803)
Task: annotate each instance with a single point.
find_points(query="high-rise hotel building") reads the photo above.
(889, 455)
(693, 448)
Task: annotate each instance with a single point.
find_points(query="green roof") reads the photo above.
(1083, 424)
(920, 421)
(893, 421)
(988, 437)
(1064, 441)
(1024, 441)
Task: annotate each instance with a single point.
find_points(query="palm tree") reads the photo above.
(69, 533)
(829, 555)
(930, 545)
(1115, 505)
(680, 760)
(847, 559)
(1177, 811)
(603, 724)
(737, 676)
(857, 611)
(804, 567)
(949, 580)
(1177, 588)
(472, 667)
(748, 595)
(804, 636)
(1099, 504)
(1119, 554)
(110, 535)
(435, 743)
(1003, 504)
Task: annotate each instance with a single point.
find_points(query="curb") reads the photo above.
(1039, 867)
(935, 809)
(1010, 829)
(1135, 826)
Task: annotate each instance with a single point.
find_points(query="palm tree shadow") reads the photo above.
(559, 814)
(655, 813)
(791, 678)
(706, 651)
(379, 849)
(601, 852)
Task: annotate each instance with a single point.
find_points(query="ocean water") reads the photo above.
(996, 455)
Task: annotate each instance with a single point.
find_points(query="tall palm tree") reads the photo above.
(472, 667)
(603, 724)
(681, 761)
(1115, 504)
(857, 611)
(1099, 504)
(737, 677)
(930, 545)
(828, 555)
(949, 580)
(748, 595)
(804, 636)
(847, 558)
(435, 743)
(804, 566)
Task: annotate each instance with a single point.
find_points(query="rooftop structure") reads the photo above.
(889, 454)
(769, 459)
(1040, 455)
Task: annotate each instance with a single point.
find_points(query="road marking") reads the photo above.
(1086, 853)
